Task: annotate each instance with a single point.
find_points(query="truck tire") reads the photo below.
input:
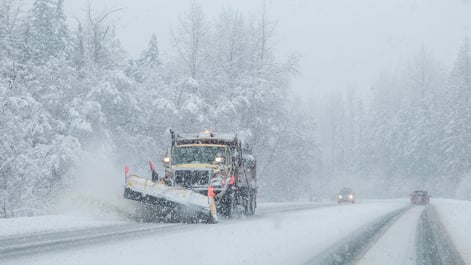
(252, 203)
(226, 205)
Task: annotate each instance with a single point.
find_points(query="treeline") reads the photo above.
(66, 91)
(413, 133)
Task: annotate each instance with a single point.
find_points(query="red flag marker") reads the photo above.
(210, 191)
(232, 180)
(152, 166)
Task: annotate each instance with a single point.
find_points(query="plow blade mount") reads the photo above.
(168, 199)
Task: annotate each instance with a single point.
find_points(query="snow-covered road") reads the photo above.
(397, 245)
(286, 234)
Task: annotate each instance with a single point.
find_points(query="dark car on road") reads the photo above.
(420, 197)
(346, 195)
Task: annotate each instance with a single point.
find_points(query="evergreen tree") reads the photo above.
(63, 95)
(48, 30)
(190, 39)
(456, 144)
(150, 57)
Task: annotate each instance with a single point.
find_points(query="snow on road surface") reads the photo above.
(456, 217)
(291, 237)
(283, 234)
(397, 245)
(85, 219)
(51, 223)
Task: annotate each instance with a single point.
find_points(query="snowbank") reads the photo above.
(50, 223)
(456, 216)
(277, 238)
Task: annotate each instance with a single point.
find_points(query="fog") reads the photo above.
(341, 43)
(372, 95)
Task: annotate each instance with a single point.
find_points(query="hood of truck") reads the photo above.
(195, 166)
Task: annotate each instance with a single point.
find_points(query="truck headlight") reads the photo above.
(340, 196)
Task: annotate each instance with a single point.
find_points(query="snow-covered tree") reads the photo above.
(456, 144)
(48, 30)
(64, 93)
(190, 38)
(151, 56)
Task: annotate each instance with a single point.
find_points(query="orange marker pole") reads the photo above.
(212, 204)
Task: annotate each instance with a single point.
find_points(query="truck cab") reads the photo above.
(213, 162)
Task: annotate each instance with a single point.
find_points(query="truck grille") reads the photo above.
(192, 178)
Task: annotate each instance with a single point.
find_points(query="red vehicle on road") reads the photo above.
(420, 197)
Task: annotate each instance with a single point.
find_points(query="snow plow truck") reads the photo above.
(206, 175)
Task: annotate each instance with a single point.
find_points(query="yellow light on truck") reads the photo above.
(166, 159)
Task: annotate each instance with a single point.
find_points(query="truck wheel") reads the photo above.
(246, 200)
(251, 203)
(226, 205)
(231, 208)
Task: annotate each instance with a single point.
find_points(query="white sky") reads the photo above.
(341, 42)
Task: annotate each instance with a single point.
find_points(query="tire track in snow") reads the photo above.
(397, 244)
(349, 249)
(15, 246)
(433, 244)
(36, 243)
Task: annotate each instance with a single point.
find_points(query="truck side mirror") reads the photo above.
(166, 159)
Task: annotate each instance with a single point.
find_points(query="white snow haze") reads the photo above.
(235, 132)
(96, 189)
(341, 43)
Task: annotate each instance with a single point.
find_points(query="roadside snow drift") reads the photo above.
(278, 238)
(456, 217)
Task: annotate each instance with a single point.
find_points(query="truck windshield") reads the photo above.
(196, 154)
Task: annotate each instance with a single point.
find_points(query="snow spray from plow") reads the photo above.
(85, 194)
(206, 174)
